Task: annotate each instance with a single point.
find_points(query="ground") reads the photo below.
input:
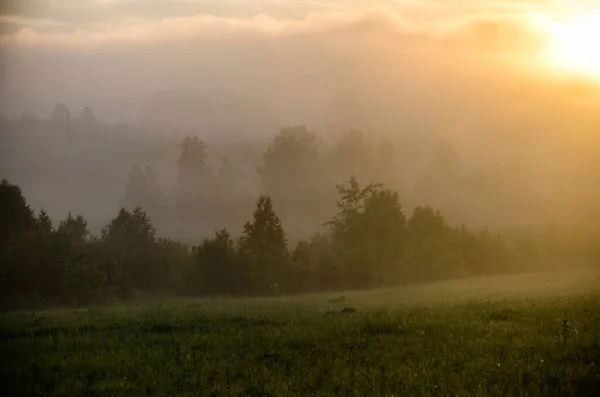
(535, 335)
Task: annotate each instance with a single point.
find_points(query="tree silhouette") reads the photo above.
(369, 233)
(427, 223)
(87, 116)
(353, 155)
(264, 246)
(290, 164)
(130, 242)
(15, 215)
(215, 266)
(194, 178)
(292, 155)
(142, 190)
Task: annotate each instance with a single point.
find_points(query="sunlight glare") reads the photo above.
(575, 45)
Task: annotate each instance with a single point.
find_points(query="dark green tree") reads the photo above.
(215, 266)
(263, 247)
(92, 277)
(15, 215)
(370, 233)
(426, 223)
(430, 254)
(44, 222)
(130, 242)
(74, 229)
(30, 269)
(82, 280)
(316, 266)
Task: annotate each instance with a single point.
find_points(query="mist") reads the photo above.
(412, 75)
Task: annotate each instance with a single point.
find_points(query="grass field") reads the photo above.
(536, 335)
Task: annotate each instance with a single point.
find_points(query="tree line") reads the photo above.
(366, 238)
(369, 243)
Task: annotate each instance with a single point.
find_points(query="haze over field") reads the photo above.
(509, 84)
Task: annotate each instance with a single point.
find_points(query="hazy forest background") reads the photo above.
(94, 211)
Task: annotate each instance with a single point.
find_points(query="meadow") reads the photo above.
(520, 335)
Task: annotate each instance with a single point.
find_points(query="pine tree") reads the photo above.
(264, 246)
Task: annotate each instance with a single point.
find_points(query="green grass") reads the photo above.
(503, 336)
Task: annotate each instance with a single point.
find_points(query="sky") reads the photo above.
(115, 54)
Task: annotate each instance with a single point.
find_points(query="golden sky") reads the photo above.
(181, 38)
(77, 17)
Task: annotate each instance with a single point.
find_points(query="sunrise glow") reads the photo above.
(574, 45)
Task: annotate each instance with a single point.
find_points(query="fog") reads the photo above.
(477, 123)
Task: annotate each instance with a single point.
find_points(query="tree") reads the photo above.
(44, 222)
(194, 178)
(15, 215)
(226, 180)
(369, 232)
(143, 191)
(86, 279)
(353, 155)
(130, 243)
(316, 266)
(87, 116)
(215, 266)
(430, 254)
(192, 162)
(292, 154)
(60, 114)
(264, 246)
(73, 228)
(345, 224)
(72, 237)
(227, 197)
(173, 257)
(29, 263)
(19, 259)
(133, 229)
(290, 164)
(427, 223)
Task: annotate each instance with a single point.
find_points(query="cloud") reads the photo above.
(380, 53)
(29, 22)
(479, 30)
(138, 30)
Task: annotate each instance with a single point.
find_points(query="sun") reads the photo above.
(574, 45)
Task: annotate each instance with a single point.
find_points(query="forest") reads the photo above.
(346, 232)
